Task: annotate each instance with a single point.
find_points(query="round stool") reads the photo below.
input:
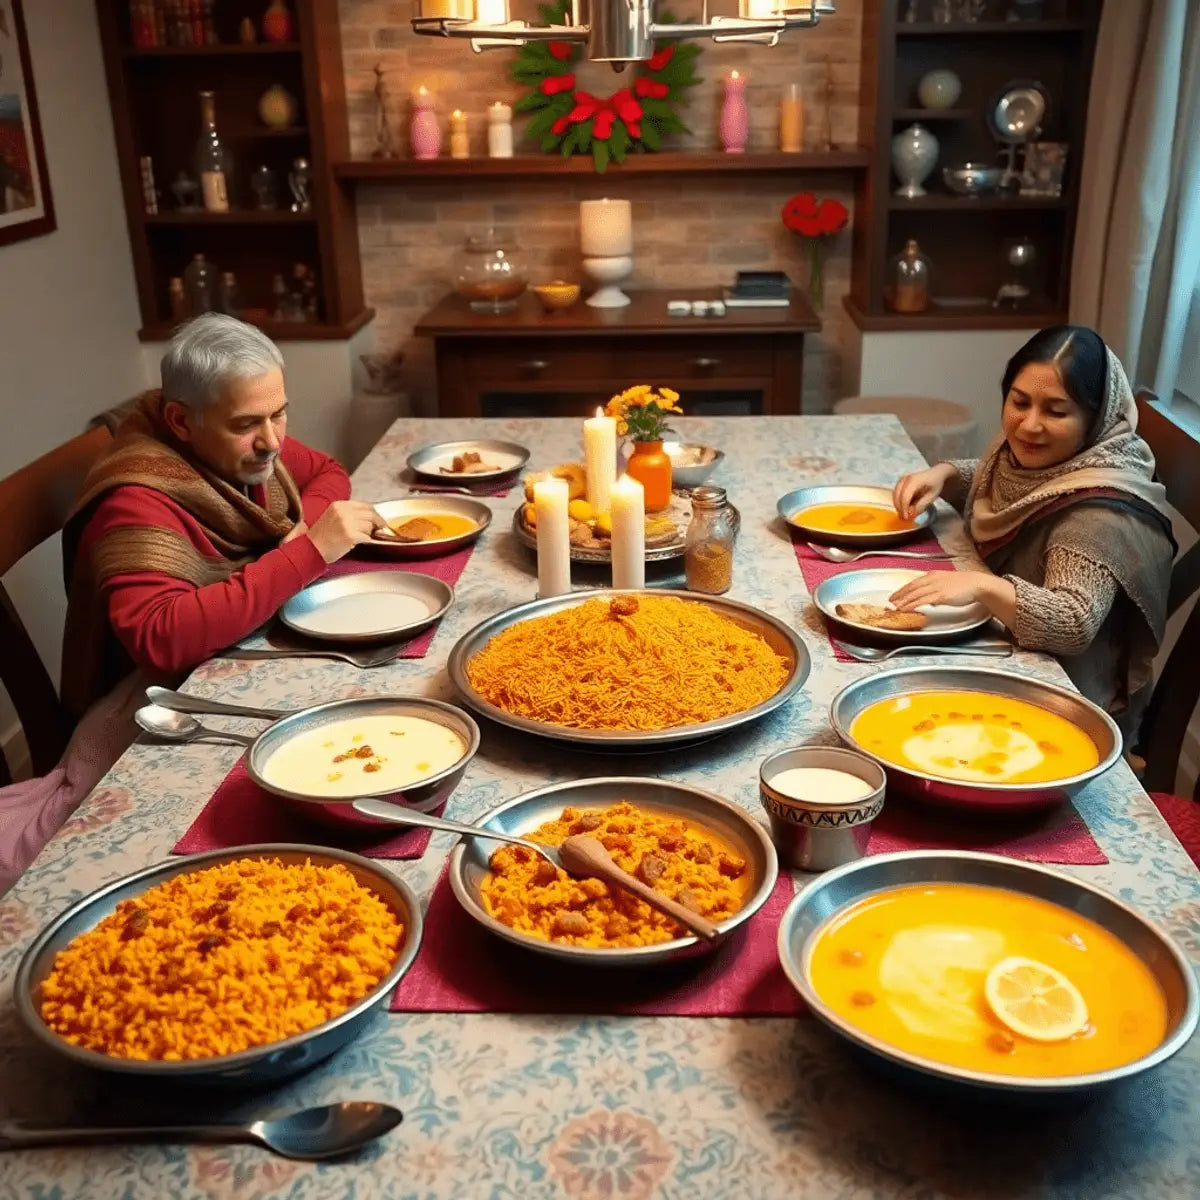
(941, 429)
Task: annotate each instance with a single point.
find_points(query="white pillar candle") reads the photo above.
(459, 9)
(500, 137)
(600, 457)
(491, 12)
(553, 537)
(628, 534)
(606, 228)
(758, 9)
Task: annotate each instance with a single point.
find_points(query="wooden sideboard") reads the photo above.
(530, 362)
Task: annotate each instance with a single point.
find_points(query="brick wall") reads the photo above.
(695, 232)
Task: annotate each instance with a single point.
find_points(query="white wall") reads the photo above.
(965, 367)
(68, 312)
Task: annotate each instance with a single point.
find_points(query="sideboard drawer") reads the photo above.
(662, 359)
(533, 360)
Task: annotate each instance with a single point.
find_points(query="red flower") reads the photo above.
(586, 106)
(560, 50)
(656, 62)
(559, 127)
(625, 106)
(602, 127)
(800, 215)
(642, 87)
(658, 91)
(832, 216)
(553, 84)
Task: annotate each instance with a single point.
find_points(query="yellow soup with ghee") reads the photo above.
(974, 737)
(852, 518)
(910, 965)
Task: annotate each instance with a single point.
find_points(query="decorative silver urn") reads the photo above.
(914, 153)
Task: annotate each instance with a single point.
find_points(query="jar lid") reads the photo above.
(708, 497)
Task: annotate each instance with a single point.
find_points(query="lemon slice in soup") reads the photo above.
(1035, 1000)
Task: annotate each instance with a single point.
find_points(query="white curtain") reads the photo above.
(1137, 246)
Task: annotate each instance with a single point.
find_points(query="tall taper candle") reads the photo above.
(628, 534)
(600, 456)
(553, 537)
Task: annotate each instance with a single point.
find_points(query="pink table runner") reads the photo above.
(240, 813)
(816, 569)
(463, 968)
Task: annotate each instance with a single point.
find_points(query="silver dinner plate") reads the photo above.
(875, 586)
(373, 606)
(259, 1064)
(469, 860)
(794, 502)
(508, 457)
(810, 911)
(780, 637)
(999, 798)
(423, 506)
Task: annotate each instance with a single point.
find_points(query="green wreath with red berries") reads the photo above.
(608, 128)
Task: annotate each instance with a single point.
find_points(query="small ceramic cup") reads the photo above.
(815, 836)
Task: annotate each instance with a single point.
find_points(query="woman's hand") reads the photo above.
(915, 492)
(957, 589)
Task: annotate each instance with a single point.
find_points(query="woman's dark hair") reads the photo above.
(1079, 354)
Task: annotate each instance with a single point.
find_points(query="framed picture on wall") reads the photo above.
(26, 209)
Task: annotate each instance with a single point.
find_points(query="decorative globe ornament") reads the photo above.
(276, 107)
(939, 89)
(914, 154)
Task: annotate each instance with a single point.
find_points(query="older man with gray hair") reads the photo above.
(201, 519)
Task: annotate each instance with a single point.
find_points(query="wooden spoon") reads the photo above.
(583, 855)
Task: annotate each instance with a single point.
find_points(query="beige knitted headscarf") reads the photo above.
(1004, 495)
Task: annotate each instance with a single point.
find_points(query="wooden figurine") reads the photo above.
(385, 143)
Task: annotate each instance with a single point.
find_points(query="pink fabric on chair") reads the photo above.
(32, 812)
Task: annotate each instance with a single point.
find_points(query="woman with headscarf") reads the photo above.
(1065, 511)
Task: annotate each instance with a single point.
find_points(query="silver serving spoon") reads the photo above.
(322, 1132)
(578, 855)
(174, 726)
(837, 555)
(182, 702)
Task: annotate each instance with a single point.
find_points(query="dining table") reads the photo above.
(620, 1107)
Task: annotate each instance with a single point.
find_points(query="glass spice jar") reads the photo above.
(708, 547)
(908, 287)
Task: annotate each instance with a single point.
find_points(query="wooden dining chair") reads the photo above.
(34, 503)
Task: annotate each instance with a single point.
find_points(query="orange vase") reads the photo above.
(650, 465)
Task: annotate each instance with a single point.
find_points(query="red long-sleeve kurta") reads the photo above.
(166, 625)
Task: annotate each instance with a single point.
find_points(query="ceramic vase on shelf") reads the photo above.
(650, 465)
(277, 22)
(914, 153)
(939, 89)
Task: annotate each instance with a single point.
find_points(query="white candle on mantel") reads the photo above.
(600, 457)
(491, 12)
(553, 537)
(628, 534)
(606, 228)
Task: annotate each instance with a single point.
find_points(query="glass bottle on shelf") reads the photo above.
(907, 290)
(178, 300)
(489, 275)
(708, 546)
(200, 285)
(213, 163)
(229, 299)
(279, 294)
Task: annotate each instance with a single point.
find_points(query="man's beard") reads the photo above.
(259, 475)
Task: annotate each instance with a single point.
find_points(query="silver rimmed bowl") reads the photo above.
(972, 179)
(424, 506)
(733, 825)
(784, 640)
(810, 909)
(795, 502)
(339, 811)
(258, 1065)
(978, 797)
(508, 457)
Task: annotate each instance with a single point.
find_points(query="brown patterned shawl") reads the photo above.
(144, 454)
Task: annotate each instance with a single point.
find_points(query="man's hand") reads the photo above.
(298, 530)
(344, 525)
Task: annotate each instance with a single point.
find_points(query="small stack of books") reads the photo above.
(759, 289)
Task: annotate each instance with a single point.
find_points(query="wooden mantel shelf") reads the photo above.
(537, 166)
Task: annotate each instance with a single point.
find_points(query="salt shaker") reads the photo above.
(708, 546)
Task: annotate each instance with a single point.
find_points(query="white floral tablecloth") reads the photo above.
(619, 1108)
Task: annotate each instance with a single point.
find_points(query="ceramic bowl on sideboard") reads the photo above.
(556, 295)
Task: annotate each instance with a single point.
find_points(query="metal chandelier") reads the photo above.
(614, 31)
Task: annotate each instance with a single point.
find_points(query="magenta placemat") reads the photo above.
(1057, 836)
(816, 569)
(463, 968)
(448, 569)
(240, 813)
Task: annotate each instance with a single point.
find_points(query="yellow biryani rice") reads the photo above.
(683, 861)
(220, 960)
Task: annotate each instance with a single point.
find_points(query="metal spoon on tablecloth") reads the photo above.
(173, 726)
(325, 1131)
(836, 555)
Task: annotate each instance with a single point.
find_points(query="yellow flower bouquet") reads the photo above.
(641, 412)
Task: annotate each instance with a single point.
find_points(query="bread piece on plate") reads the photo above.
(878, 617)
(416, 529)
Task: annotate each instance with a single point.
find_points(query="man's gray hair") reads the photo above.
(211, 351)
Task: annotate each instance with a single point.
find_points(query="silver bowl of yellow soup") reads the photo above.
(823, 906)
(420, 751)
(976, 791)
(827, 514)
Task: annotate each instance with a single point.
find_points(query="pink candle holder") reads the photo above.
(735, 116)
(426, 135)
